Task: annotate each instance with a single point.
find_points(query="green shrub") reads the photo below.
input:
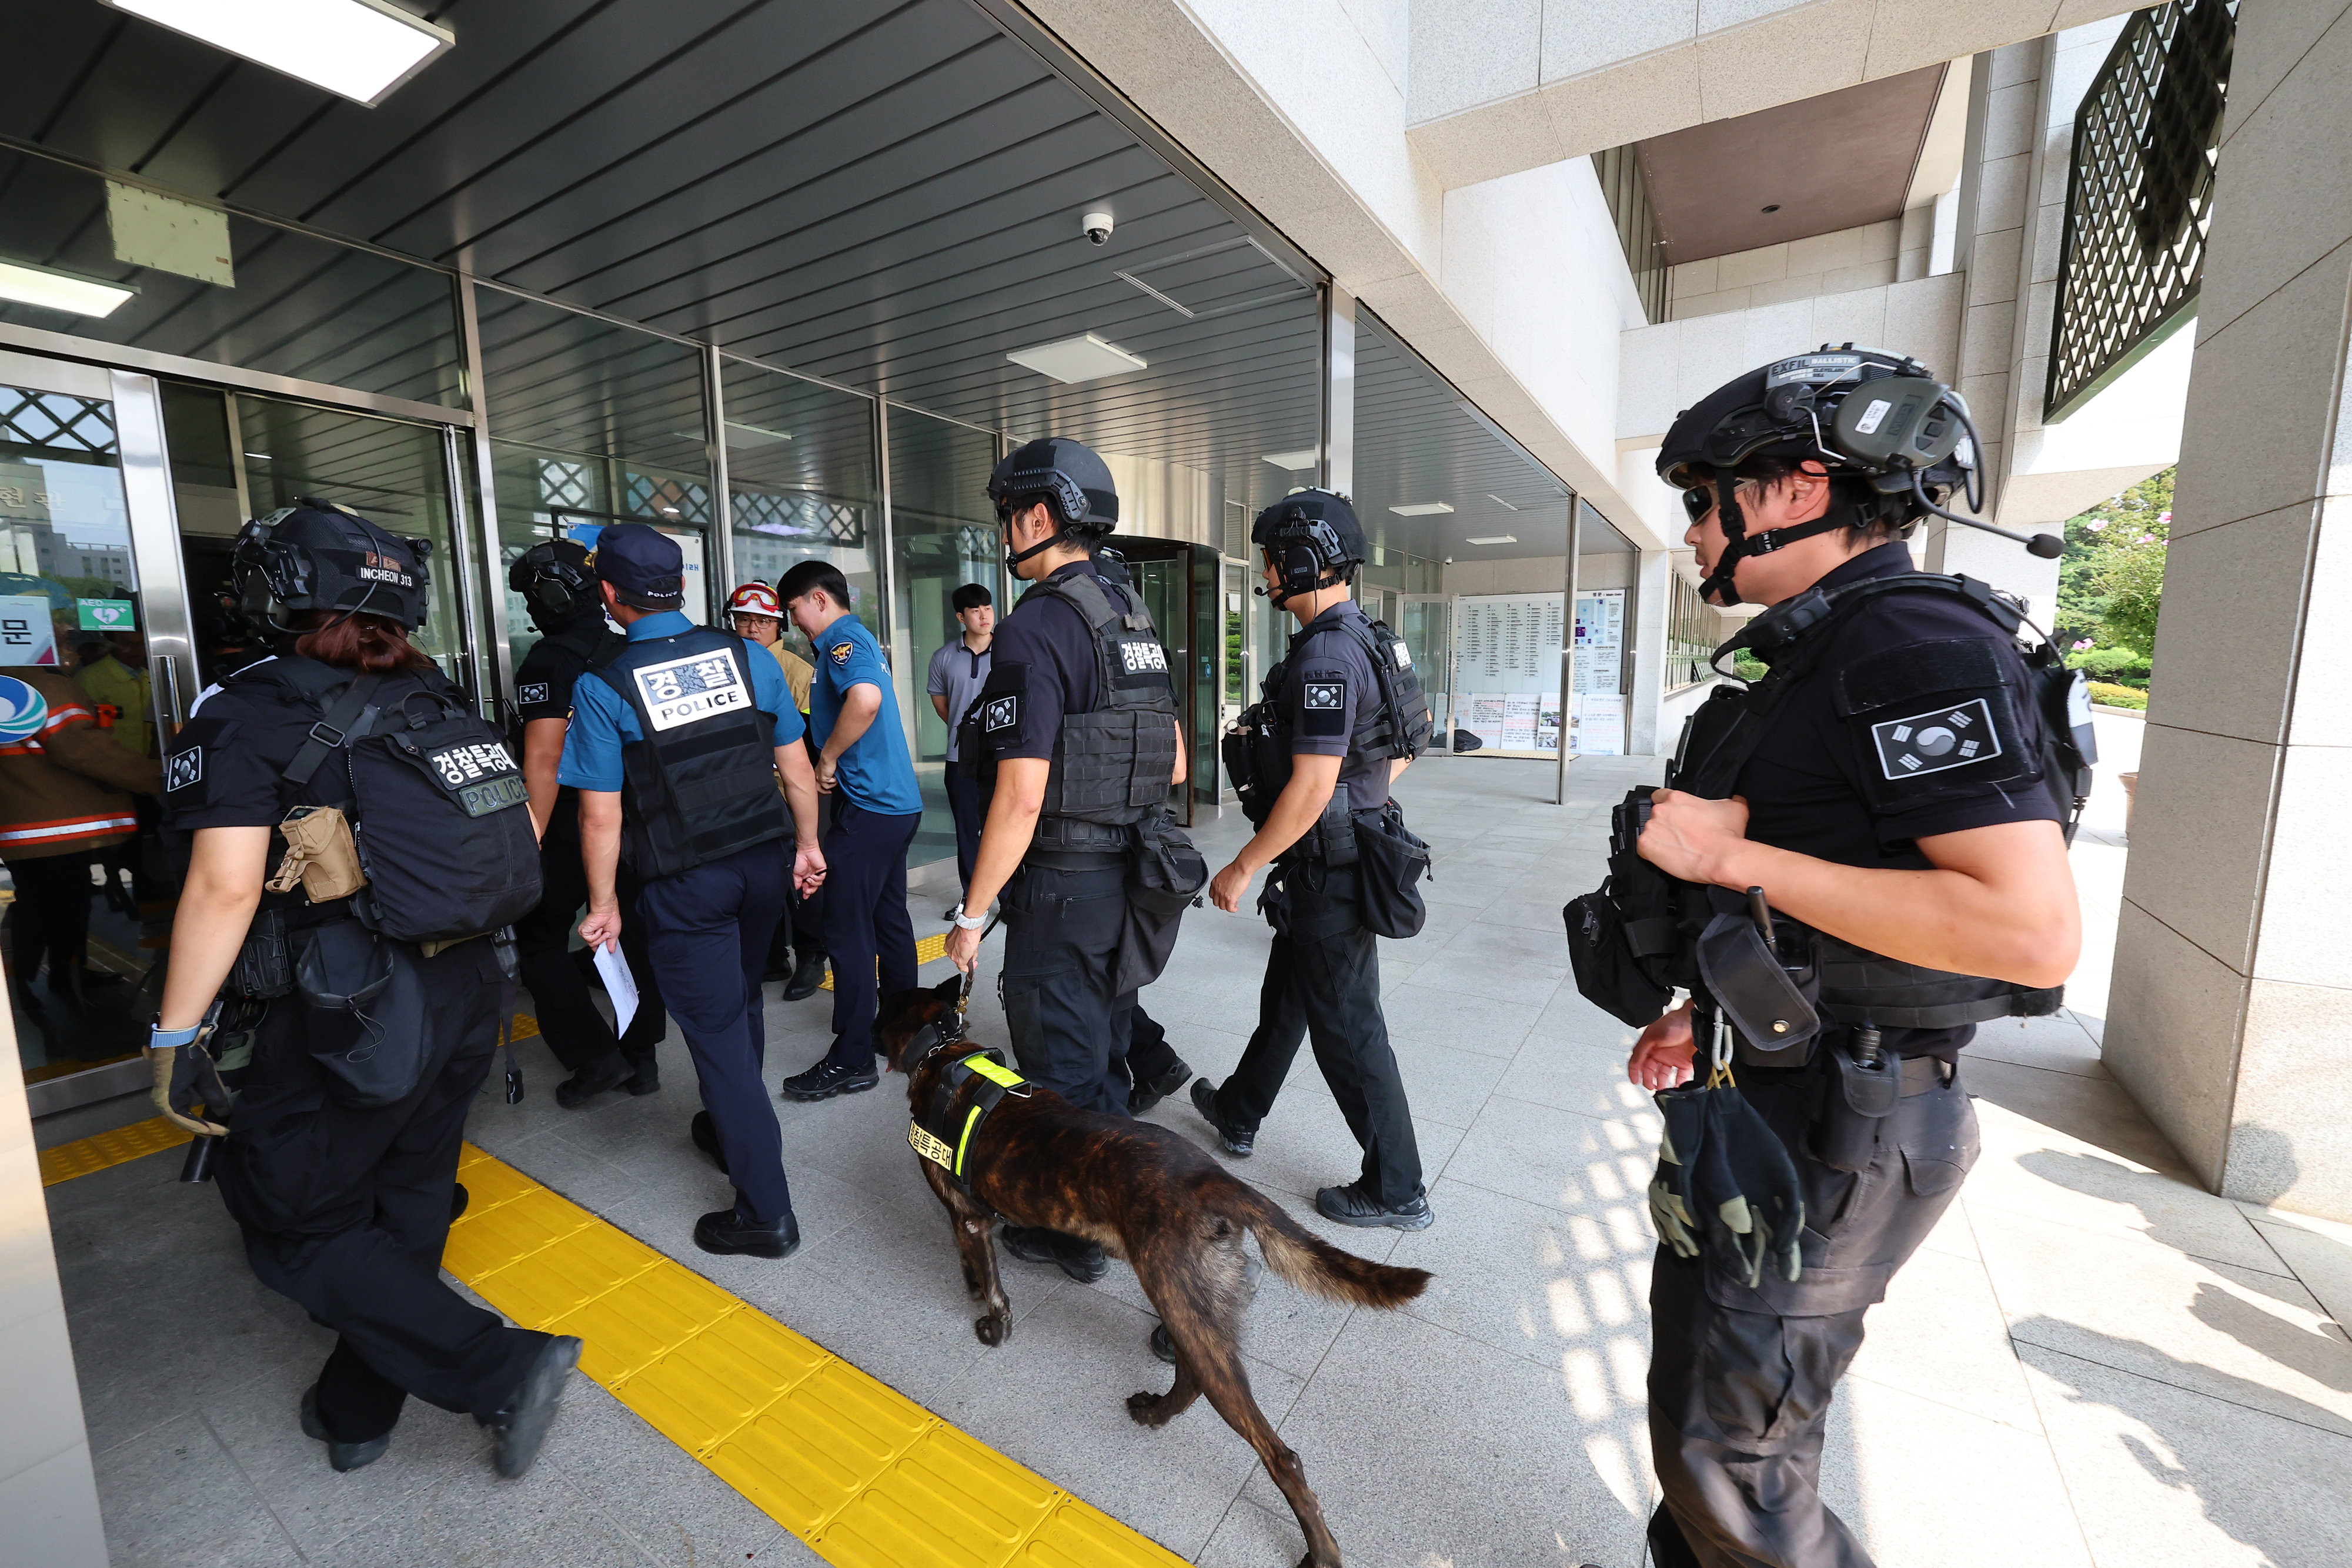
(1748, 666)
(2113, 696)
(2118, 666)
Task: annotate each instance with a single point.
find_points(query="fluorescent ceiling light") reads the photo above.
(60, 290)
(742, 435)
(1075, 359)
(360, 49)
(1303, 458)
(263, 456)
(1500, 502)
(1493, 540)
(1422, 509)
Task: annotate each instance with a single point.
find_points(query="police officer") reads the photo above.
(674, 745)
(1322, 972)
(863, 763)
(557, 582)
(344, 1199)
(1896, 788)
(1077, 723)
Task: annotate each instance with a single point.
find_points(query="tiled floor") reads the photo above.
(2093, 1362)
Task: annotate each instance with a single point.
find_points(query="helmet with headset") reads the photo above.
(317, 556)
(557, 580)
(1307, 534)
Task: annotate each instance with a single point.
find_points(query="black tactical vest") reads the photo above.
(1110, 766)
(701, 785)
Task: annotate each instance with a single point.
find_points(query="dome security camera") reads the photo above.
(1097, 226)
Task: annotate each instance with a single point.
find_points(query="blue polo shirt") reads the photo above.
(603, 721)
(875, 772)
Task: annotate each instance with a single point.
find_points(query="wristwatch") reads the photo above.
(968, 922)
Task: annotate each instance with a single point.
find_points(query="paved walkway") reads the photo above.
(2093, 1362)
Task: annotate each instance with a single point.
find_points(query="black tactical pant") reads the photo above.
(1323, 983)
(1740, 1379)
(346, 1210)
(1062, 925)
(568, 1018)
(1148, 1053)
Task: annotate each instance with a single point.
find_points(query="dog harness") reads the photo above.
(967, 1092)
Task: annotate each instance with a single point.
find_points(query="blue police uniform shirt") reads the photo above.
(875, 772)
(603, 722)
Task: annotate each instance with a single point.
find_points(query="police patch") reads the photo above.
(1140, 657)
(1323, 706)
(183, 769)
(842, 649)
(1936, 740)
(1327, 694)
(697, 687)
(1000, 714)
(534, 693)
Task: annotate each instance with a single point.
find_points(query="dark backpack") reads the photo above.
(438, 807)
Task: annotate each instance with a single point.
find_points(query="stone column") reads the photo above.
(2233, 996)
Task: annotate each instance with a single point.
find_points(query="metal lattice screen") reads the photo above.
(2139, 196)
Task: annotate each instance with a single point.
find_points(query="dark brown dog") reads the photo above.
(1150, 1196)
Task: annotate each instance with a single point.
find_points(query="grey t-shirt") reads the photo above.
(956, 674)
(1328, 680)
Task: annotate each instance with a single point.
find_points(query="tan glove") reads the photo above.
(188, 1084)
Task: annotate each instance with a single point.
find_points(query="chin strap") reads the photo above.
(1739, 544)
(1014, 558)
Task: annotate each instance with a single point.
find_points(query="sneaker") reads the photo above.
(806, 978)
(829, 1077)
(726, 1231)
(607, 1072)
(1204, 1101)
(1082, 1260)
(521, 1425)
(705, 1134)
(1152, 1091)
(1351, 1204)
(343, 1457)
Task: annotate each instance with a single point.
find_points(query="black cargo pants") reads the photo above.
(1062, 925)
(1740, 1379)
(1323, 983)
(346, 1210)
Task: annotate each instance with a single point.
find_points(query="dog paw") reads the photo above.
(1144, 1408)
(992, 1328)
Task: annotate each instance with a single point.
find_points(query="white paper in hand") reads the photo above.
(619, 985)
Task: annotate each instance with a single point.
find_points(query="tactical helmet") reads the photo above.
(1069, 475)
(315, 555)
(1307, 534)
(1908, 439)
(557, 580)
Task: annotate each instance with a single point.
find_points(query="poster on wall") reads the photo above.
(1506, 654)
(1597, 711)
(1596, 725)
(28, 635)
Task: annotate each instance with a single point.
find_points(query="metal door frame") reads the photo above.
(1441, 724)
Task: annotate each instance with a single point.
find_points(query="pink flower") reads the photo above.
(2146, 539)
(2164, 517)
(2096, 524)
(2083, 646)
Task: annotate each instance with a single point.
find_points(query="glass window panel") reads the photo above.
(299, 306)
(593, 423)
(942, 535)
(802, 484)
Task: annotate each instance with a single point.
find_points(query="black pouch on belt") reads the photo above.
(1164, 873)
(1393, 860)
(1772, 1016)
(264, 968)
(1854, 1099)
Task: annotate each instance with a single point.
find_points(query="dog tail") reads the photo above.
(1311, 1263)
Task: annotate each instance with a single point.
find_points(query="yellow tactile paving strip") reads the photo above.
(865, 1475)
(928, 948)
(84, 1156)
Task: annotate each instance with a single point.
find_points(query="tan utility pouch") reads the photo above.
(319, 854)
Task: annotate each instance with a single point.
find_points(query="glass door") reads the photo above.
(1425, 622)
(1161, 571)
(94, 632)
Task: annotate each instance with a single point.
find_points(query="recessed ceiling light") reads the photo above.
(1423, 509)
(1075, 359)
(1500, 502)
(1493, 540)
(60, 290)
(1294, 461)
(360, 49)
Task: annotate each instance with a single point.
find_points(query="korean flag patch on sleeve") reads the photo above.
(1001, 715)
(533, 695)
(184, 771)
(1323, 707)
(1936, 740)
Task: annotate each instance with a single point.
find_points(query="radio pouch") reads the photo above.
(1855, 1101)
(1775, 1020)
(321, 855)
(264, 969)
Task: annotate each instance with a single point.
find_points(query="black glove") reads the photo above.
(1725, 1185)
(188, 1086)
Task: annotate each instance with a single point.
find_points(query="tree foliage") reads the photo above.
(2111, 581)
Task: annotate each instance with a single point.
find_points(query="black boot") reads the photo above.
(344, 1456)
(607, 1072)
(1151, 1091)
(1081, 1259)
(725, 1231)
(806, 976)
(1204, 1099)
(521, 1423)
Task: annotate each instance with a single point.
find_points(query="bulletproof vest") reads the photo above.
(701, 785)
(592, 641)
(1257, 751)
(1110, 766)
(1856, 985)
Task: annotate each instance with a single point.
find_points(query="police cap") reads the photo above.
(315, 555)
(1067, 473)
(641, 562)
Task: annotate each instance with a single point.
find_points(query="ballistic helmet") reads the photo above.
(315, 555)
(1307, 534)
(557, 580)
(1068, 477)
(1902, 440)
